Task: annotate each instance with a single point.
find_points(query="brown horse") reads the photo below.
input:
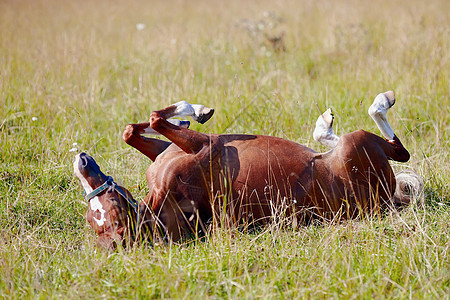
(250, 179)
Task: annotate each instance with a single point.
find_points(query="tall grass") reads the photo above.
(79, 71)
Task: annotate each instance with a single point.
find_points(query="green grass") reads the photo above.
(84, 71)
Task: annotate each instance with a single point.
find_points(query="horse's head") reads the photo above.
(112, 209)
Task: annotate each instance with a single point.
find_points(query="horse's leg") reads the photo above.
(378, 111)
(323, 132)
(394, 149)
(409, 185)
(151, 147)
(198, 112)
(161, 208)
(188, 140)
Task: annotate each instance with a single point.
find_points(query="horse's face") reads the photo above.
(108, 212)
(87, 170)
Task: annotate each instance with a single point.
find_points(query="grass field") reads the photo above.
(79, 71)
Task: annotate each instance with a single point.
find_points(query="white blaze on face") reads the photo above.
(95, 205)
(87, 188)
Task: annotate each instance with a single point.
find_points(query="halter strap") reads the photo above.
(109, 183)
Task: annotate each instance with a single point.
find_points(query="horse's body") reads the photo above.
(252, 178)
(260, 172)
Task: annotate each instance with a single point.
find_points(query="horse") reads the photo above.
(246, 179)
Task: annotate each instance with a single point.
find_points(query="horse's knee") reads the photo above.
(128, 133)
(155, 120)
(400, 153)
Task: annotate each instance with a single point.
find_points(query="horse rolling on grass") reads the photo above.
(249, 179)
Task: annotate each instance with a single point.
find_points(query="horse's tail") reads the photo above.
(409, 188)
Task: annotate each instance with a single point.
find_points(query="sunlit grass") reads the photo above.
(78, 72)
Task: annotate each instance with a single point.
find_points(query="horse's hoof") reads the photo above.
(390, 97)
(205, 115)
(382, 103)
(328, 117)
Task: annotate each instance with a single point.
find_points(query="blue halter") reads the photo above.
(109, 183)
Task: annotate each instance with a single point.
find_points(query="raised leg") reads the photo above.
(151, 147)
(378, 111)
(198, 112)
(188, 140)
(323, 133)
(382, 103)
(176, 122)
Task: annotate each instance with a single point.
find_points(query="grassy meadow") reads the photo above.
(74, 73)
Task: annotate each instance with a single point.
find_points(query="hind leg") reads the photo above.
(323, 132)
(408, 185)
(382, 103)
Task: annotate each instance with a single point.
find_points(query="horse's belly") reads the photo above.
(269, 179)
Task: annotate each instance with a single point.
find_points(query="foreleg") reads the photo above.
(150, 147)
(188, 140)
